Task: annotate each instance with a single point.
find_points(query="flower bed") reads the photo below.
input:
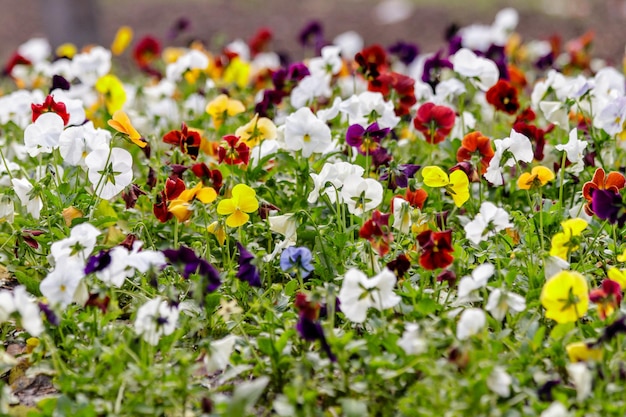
(371, 231)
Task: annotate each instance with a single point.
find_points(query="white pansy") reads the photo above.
(89, 66)
(516, 147)
(23, 188)
(361, 195)
(350, 43)
(79, 244)
(305, 132)
(42, 136)
(556, 409)
(574, 150)
(358, 293)
(218, 357)
(154, 319)
(26, 306)
(471, 322)
(61, 283)
(310, 88)
(489, 221)
(76, 142)
(411, 341)
(481, 72)
(499, 381)
(500, 302)
(580, 375)
(109, 173)
(471, 283)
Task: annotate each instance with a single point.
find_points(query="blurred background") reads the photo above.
(217, 22)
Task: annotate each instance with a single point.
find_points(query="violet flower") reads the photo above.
(247, 270)
(192, 264)
(405, 51)
(367, 141)
(608, 205)
(433, 67)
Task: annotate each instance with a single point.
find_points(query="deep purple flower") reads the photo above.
(398, 176)
(60, 83)
(497, 54)
(312, 35)
(308, 325)
(49, 313)
(247, 270)
(192, 264)
(608, 205)
(545, 62)
(297, 259)
(180, 25)
(433, 67)
(310, 331)
(367, 141)
(98, 262)
(405, 51)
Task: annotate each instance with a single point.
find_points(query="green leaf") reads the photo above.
(560, 330)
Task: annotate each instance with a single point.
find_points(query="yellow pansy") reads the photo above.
(256, 130)
(538, 177)
(457, 184)
(565, 297)
(566, 242)
(243, 201)
(179, 207)
(582, 352)
(237, 72)
(113, 92)
(217, 230)
(67, 50)
(223, 106)
(622, 257)
(122, 39)
(70, 213)
(121, 123)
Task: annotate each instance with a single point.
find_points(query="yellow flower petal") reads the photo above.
(525, 181)
(67, 50)
(435, 176)
(574, 227)
(459, 187)
(121, 123)
(580, 351)
(238, 218)
(123, 37)
(206, 195)
(179, 208)
(226, 206)
(113, 92)
(565, 297)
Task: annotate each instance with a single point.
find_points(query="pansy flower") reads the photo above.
(476, 148)
(188, 140)
(376, 231)
(179, 206)
(109, 174)
(538, 177)
(210, 177)
(123, 37)
(50, 105)
(615, 181)
(122, 124)
(583, 352)
(242, 202)
(256, 130)
(433, 67)
(609, 205)
(192, 264)
(434, 122)
(568, 240)
(361, 195)
(436, 248)
(366, 140)
(234, 151)
(308, 325)
(112, 91)
(565, 297)
(305, 132)
(154, 319)
(359, 293)
(503, 96)
(247, 269)
(608, 298)
(146, 51)
(222, 107)
(297, 260)
(457, 184)
(398, 175)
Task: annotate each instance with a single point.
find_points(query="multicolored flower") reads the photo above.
(436, 249)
